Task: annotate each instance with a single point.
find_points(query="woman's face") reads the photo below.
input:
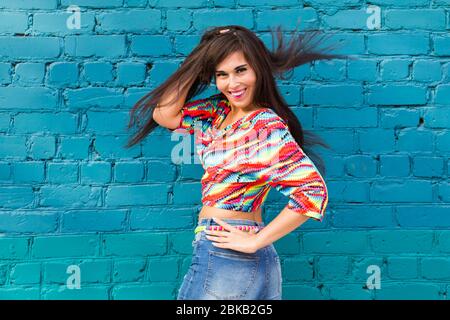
(236, 79)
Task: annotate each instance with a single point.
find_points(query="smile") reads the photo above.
(238, 94)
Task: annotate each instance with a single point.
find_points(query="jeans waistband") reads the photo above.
(208, 223)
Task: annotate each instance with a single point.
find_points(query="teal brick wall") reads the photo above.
(72, 197)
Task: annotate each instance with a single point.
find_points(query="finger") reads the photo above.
(220, 245)
(224, 224)
(218, 233)
(216, 239)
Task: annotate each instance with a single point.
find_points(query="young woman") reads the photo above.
(248, 140)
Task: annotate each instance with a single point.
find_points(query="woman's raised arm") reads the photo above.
(168, 113)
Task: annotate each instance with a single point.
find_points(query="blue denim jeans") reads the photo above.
(225, 274)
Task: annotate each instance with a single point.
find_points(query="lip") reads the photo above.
(234, 97)
(233, 91)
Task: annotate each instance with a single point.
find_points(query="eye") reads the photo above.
(243, 69)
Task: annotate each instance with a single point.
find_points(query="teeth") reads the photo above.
(237, 93)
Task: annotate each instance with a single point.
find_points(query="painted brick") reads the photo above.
(329, 70)
(298, 269)
(64, 123)
(395, 166)
(129, 270)
(369, 217)
(402, 241)
(57, 23)
(128, 172)
(397, 94)
(427, 70)
(29, 4)
(395, 69)
(134, 244)
(348, 117)
(146, 219)
(361, 166)
(143, 292)
(94, 3)
(376, 140)
(65, 246)
(111, 46)
(69, 196)
(63, 74)
(347, 19)
(402, 268)
(335, 242)
(29, 47)
(441, 45)
(28, 171)
(362, 69)
(148, 20)
(105, 122)
(266, 19)
(162, 270)
(151, 45)
(202, 19)
(98, 72)
(136, 195)
(100, 97)
(98, 172)
(26, 273)
(405, 191)
(424, 166)
(435, 268)
(408, 140)
(31, 98)
(442, 94)
(333, 95)
(416, 217)
(398, 43)
(91, 271)
(29, 73)
(130, 73)
(84, 221)
(28, 221)
(16, 197)
(430, 19)
(179, 20)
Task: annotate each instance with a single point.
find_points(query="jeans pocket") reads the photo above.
(279, 273)
(229, 276)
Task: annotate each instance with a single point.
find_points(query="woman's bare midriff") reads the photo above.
(209, 212)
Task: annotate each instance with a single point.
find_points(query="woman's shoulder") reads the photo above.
(268, 118)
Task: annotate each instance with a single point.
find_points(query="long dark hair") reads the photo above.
(198, 70)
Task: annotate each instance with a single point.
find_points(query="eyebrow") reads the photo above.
(243, 65)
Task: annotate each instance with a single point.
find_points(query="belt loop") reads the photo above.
(208, 223)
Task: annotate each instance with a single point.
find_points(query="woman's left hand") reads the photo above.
(233, 238)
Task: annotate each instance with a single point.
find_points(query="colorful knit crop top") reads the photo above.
(247, 157)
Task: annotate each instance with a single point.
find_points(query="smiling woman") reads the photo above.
(237, 84)
(250, 141)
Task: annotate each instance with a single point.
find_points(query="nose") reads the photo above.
(232, 82)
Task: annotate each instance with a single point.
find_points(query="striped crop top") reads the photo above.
(247, 157)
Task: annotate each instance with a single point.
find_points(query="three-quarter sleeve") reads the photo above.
(289, 170)
(197, 114)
